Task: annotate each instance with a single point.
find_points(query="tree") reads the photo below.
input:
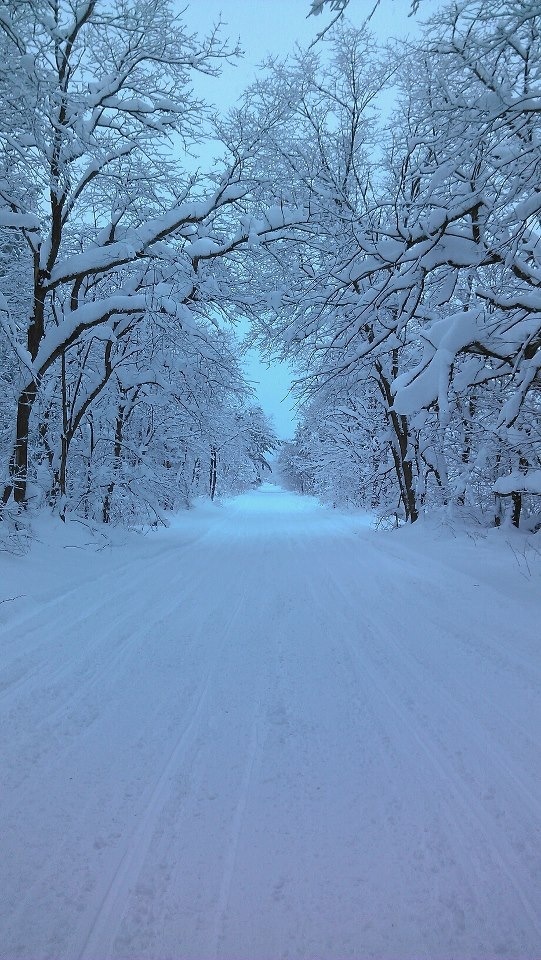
(323, 148)
(463, 244)
(97, 84)
(435, 281)
(339, 7)
(114, 231)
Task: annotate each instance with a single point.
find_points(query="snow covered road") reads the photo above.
(270, 732)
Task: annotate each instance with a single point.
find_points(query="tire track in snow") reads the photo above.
(466, 799)
(80, 669)
(162, 897)
(123, 570)
(395, 563)
(71, 622)
(115, 655)
(455, 785)
(33, 622)
(64, 715)
(102, 932)
(98, 659)
(83, 734)
(415, 666)
(233, 839)
(101, 936)
(219, 809)
(412, 667)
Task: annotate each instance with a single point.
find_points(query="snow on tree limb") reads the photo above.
(518, 482)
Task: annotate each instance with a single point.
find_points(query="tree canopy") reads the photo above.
(396, 263)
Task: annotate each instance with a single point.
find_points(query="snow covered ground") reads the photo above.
(270, 732)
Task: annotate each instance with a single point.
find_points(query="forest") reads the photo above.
(266, 698)
(394, 260)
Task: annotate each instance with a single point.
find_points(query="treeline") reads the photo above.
(396, 263)
(414, 307)
(122, 393)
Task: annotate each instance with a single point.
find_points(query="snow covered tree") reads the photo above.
(459, 251)
(433, 281)
(324, 148)
(97, 104)
(97, 83)
(239, 457)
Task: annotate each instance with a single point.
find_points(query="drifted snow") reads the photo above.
(270, 732)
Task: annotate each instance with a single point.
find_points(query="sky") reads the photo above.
(274, 27)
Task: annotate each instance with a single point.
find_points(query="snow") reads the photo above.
(429, 380)
(270, 731)
(275, 216)
(109, 255)
(93, 260)
(233, 191)
(89, 315)
(19, 221)
(202, 247)
(518, 482)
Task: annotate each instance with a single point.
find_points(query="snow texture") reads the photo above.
(518, 482)
(270, 731)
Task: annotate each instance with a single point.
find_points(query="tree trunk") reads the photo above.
(65, 439)
(410, 502)
(18, 464)
(517, 507)
(106, 511)
(213, 472)
(400, 445)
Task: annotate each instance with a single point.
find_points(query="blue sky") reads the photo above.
(266, 27)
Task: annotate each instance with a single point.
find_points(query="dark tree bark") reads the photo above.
(213, 477)
(117, 453)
